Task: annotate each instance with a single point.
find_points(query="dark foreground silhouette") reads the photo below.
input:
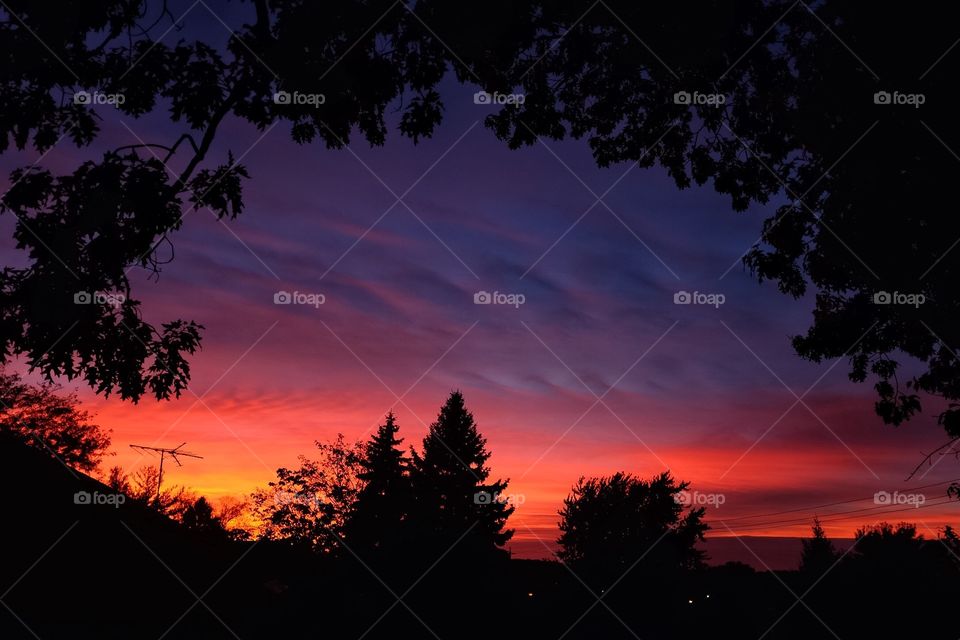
(108, 571)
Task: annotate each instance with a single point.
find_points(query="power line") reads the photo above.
(833, 516)
(834, 504)
(838, 517)
(842, 518)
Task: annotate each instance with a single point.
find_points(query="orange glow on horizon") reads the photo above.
(243, 442)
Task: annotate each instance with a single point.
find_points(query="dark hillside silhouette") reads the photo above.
(111, 567)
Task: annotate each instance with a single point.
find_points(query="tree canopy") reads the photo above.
(610, 524)
(53, 422)
(807, 107)
(310, 506)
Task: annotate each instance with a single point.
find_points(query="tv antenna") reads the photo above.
(174, 453)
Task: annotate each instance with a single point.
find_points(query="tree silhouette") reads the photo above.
(234, 514)
(610, 525)
(310, 506)
(199, 517)
(854, 142)
(888, 546)
(452, 494)
(55, 423)
(118, 480)
(82, 231)
(384, 501)
(142, 486)
(899, 555)
(799, 122)
(818, 553)
(895, 566)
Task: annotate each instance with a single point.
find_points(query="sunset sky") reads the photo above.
(598, 370)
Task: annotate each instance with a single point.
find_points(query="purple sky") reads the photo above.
(700, 389)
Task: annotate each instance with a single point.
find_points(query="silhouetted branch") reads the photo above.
(164, 12)
(200, 151)
(176, 144)
(929, 456)
(143, 145)
(262, 27)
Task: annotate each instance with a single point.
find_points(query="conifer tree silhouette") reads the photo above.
(452, 493)
(818, 553)
(383, 502)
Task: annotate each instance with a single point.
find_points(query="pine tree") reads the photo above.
(383, 502)
(818, 554)
(450, 482)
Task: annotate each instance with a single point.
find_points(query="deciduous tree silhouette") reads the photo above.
(141, 486)
(234, 514)
(199, 518)
(55, 423)
(802, 105)
(613, 525)
(309, 506)
(83, 230)
(897, 549)
(118, 480)
(894, 574)
(451, 487)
